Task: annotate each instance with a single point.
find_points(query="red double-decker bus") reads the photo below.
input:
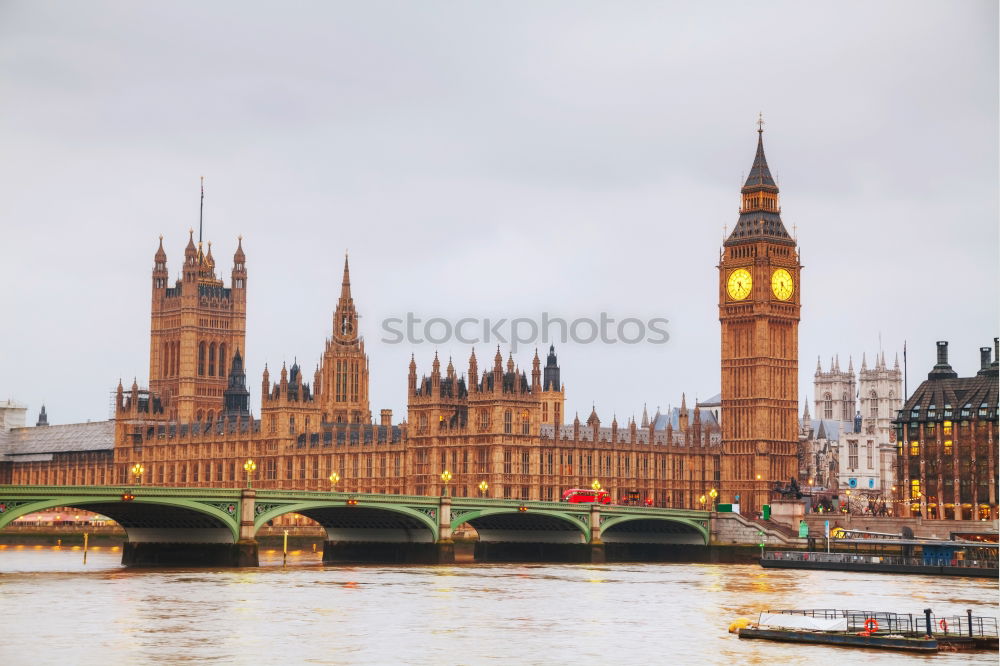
(586, 496)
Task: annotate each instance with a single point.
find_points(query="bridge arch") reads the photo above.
(159, 519)
(654, 529)
(509, 524)
(366, 521)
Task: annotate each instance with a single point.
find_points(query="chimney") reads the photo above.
(984, 357)
(942, 370)
(942, 352)
(386, 417)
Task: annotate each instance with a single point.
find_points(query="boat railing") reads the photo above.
(865, 558)
(903, 623)
(959, 625)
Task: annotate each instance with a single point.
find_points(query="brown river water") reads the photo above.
(56, 610)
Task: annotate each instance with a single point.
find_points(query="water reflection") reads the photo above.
(308, 612)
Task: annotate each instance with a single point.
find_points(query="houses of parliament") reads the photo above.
(491, 420)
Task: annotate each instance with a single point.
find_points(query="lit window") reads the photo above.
(915, 489)
(947, 447)
(914, 448)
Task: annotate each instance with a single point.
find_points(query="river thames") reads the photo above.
(56, 610)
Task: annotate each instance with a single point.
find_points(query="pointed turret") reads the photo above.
(850, 364)
(760, 213)
(473, 372)
(345, 317)
(43, 418)
(805, 411)
(536, 373)
(239, 268)
(819, 367)
(551, 380)
(191, 251)
(236, 397)
(265, 386)
(411, 381)
(645, 416)
(864, 362)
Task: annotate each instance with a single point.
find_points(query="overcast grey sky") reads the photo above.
(494, 159)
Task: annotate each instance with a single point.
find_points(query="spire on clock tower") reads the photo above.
(760, 209)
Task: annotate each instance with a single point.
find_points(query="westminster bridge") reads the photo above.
(218, 526)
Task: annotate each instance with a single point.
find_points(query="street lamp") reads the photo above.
(250, 467)
(596, 485)
(483, 487)
(137, 471)
(446, 477)
(713, 493)
(702, 500)
(334, 478)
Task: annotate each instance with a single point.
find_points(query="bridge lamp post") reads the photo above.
(483, 487)
(137, 471)
(334, 478)
(446, 477)
(250, 467)
(596, 485)
(702, 500)
(713, 493)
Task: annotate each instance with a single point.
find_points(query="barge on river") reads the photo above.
(932, 557)
(876, 629)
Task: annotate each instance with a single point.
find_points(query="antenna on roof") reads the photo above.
(201, 208)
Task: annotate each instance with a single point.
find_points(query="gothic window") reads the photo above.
(201, 359)
(828, 406)
(852, 455)
(484, 419)
(545, 411)
(340, 381)
(874, 405)
(845, 409)
(211, 360)
(525, 423)
(506, 461)
(508, 418)
(223, 360)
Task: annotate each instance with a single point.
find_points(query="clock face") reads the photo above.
(782, 285)
(739, 284)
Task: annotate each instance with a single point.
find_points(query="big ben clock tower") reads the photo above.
(759, 303)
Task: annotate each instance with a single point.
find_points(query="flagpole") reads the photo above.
(906, 391)
(201, 208)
